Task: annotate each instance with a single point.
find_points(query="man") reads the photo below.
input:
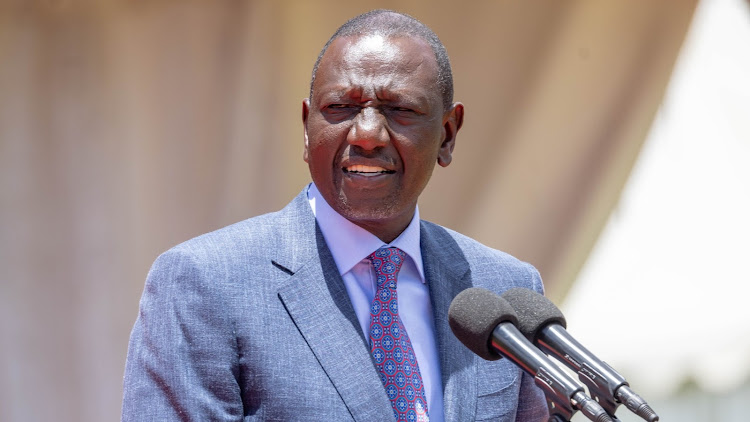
(335, 308)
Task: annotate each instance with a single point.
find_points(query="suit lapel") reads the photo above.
(319, 305)
(316, 300)
(447, 273)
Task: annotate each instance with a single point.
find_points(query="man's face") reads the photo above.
(375, 127)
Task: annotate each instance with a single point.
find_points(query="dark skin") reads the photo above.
(374, 128)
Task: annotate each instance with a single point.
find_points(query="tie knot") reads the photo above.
(387, 263)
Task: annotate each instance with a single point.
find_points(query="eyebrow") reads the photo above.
(347, 93)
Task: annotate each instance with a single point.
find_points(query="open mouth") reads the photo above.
(367, 170)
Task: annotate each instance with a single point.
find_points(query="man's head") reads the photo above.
(377, 120)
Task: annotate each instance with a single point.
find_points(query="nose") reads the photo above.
(369, 130)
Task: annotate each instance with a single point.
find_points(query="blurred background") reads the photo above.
(607, 143)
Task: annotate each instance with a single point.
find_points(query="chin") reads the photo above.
(367, 212)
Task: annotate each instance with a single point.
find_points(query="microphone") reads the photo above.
(543, 323)
(486, 324)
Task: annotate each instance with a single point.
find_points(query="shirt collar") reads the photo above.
(349, 244)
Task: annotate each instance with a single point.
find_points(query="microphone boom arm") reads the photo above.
(605, 385)
(561, 393)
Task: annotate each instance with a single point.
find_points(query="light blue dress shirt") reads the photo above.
(350, 245)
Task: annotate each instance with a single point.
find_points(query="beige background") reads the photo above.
(129, 126)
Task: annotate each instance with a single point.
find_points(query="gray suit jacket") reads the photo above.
(252, 322)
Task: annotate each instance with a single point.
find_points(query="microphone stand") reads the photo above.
(562, 412)
(564, 396)
(609, 388)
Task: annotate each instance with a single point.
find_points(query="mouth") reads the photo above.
(363, 170)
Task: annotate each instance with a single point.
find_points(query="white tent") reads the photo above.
(664, 295)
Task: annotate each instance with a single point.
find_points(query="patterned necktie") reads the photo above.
(390, 345)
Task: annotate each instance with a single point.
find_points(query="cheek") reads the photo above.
(321, 134)
(321, 156)
(422, 155)
(319, 151)
(325, 144)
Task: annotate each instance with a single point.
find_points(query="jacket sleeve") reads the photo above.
(182, 360)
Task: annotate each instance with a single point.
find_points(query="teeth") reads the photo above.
(365, 169)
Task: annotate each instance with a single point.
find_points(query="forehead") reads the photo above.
(379, 61)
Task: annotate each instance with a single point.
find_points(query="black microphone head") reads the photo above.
(534, 311)
(474, 314)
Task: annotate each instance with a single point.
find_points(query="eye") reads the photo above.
(402, 109)
(337, 112)
(402, 114)
(341, 107)
(405, 109)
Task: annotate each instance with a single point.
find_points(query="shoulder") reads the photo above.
(242, 239)
(490, 268)
(254, 237)
(240, 248)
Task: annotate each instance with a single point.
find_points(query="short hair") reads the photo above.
(391, 24)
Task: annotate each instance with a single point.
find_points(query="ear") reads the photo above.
(453, 119)
(305, 113)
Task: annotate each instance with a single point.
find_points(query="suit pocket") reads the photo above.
(499, 383)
